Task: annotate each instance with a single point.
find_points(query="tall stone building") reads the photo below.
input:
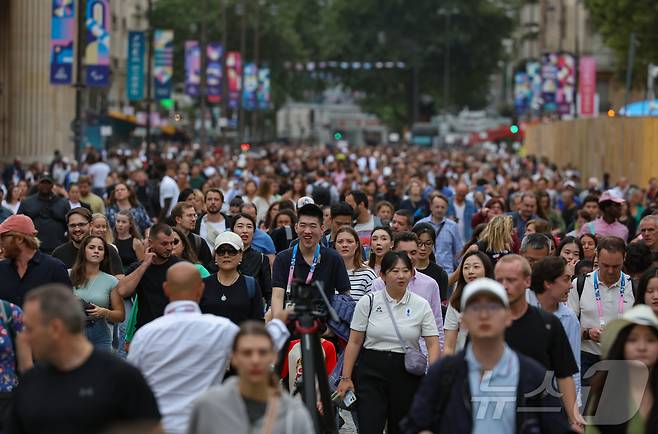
(35, 116)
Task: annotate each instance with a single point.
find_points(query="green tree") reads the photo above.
(415, 32)
(615, 20)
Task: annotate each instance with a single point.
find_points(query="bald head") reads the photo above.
(183, 282)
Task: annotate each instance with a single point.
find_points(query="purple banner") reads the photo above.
(249, 100)
(192, 68)
(566, 79)
(549, 82)
(62, 34)
(234, 77)
(214, 58)
(97, 50)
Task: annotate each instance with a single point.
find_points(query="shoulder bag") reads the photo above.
(415, 362)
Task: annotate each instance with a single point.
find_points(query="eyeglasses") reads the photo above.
(489, 307)
(77, 225)
(427, 244)
(229, 251)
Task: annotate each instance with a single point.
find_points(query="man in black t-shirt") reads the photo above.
(329, 266)
(538, 334)
(77, 222)
(75, 389)
(146, 278)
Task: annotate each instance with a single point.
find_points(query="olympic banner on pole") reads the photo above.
(263, 93)
(163, 62)
(587, 86)
(566, 79)
(249, 99)
(135, 66)
(234, 77)
(62, 34)
(192, 68)
(97, 50)
(214, 57)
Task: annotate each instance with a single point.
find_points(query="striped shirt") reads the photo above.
(361, 281)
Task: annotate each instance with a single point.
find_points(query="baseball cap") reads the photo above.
(230, 238)
(484, 285)
(608, 195)
(304, 201)
(638, 315)
(45, 176)
(569, 184)
(18, 223)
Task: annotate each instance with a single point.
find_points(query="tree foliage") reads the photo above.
(360, 30)
(615, 20)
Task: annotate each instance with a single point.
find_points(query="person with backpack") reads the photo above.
(600, 297)
(488, 387)
(229, 293)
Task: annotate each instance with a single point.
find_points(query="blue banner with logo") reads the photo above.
(62, 34)
(215, 56)
(263, 93)
(163, 62)
(250, 87)
(135, 66)
(97, 50)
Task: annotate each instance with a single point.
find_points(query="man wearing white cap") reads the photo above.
(488, 376)
(608, 224)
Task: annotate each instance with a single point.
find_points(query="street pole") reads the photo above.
(149, 72)
(629, 66)
(577, 57)
(202, 86)
(243, 49)
(224, 112)
(446, 68)
(254, 112)
(78, 122)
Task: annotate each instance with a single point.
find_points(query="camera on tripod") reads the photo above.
(309, 299)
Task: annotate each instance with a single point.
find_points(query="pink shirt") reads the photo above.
(603, 229)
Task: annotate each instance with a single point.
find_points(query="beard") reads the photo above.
(12, 251)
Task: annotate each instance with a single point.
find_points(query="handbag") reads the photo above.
(415, 362)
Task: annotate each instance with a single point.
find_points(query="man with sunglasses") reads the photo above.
(77, 223)
(146, 278)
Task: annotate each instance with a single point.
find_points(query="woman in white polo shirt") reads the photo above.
(383, 387)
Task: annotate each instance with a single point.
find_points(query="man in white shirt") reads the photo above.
(184, 352)
(98, 173)
(606, 294)
(213, 223)
(169, 192)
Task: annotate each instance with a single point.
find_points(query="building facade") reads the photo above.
(35, 116)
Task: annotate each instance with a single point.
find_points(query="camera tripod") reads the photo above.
(308, 325)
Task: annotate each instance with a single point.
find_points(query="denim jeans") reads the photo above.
(100, 334)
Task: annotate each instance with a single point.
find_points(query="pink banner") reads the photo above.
(587, 86)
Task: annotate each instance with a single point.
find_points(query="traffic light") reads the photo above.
(338, 135)
(514, 129)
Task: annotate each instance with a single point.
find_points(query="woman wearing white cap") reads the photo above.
(228, 293)
(624, 394)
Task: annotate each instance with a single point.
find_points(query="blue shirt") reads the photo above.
(263, 243)
(571, 326)
(493, 394)
(41, 269)
(520, 224)
(11, 323)
(448, 244)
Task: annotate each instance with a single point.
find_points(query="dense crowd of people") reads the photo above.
(150, 290)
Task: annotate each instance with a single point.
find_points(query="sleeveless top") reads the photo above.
(126, 251)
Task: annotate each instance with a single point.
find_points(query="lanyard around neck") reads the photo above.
(293, 260)
(597, 296)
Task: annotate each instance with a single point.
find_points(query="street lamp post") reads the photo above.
(447, 13)
(202, 86)
(243, 50)
(78, 122)
(149, 72)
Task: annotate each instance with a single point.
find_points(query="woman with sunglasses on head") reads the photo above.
(624, 396)
(183, 249)
(349, 247)
(97, 290)
(383, 383)
(228, 293)
(254, 264)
